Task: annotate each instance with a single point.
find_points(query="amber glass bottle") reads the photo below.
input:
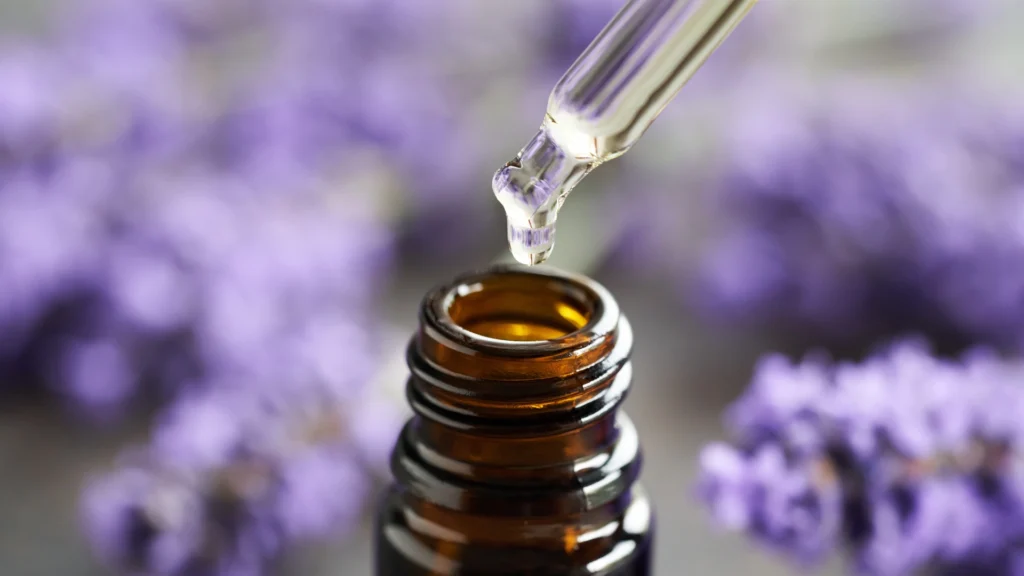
(517, 460)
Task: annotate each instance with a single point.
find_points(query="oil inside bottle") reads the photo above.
(486, 312)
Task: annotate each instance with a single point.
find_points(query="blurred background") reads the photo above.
(201, 201)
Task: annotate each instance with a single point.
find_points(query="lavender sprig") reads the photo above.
(904, 460)
(234, 474)
(866, 212)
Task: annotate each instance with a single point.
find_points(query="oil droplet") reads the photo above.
(531, 246)
(532, 188)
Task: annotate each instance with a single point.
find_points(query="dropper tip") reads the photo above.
(531, 246)
(530, 258)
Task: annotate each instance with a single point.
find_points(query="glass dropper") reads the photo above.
(603, 104)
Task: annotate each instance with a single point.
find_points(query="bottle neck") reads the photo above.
(517, 460)
(506, 421)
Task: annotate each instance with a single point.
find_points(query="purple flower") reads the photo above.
(903, 460)
(146, 521)
(29, 103)
(792, 506)
(870, 213)
(98, 374)
(233, 475)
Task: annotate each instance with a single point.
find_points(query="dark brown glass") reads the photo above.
(517, 460)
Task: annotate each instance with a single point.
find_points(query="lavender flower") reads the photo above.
(871, 212)
(236, 473)
(905, 461)
(148, 521)
(789, 506)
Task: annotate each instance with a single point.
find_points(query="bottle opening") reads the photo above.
(520, 307)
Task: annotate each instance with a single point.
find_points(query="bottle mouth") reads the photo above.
(532, 325)
(518, 306)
